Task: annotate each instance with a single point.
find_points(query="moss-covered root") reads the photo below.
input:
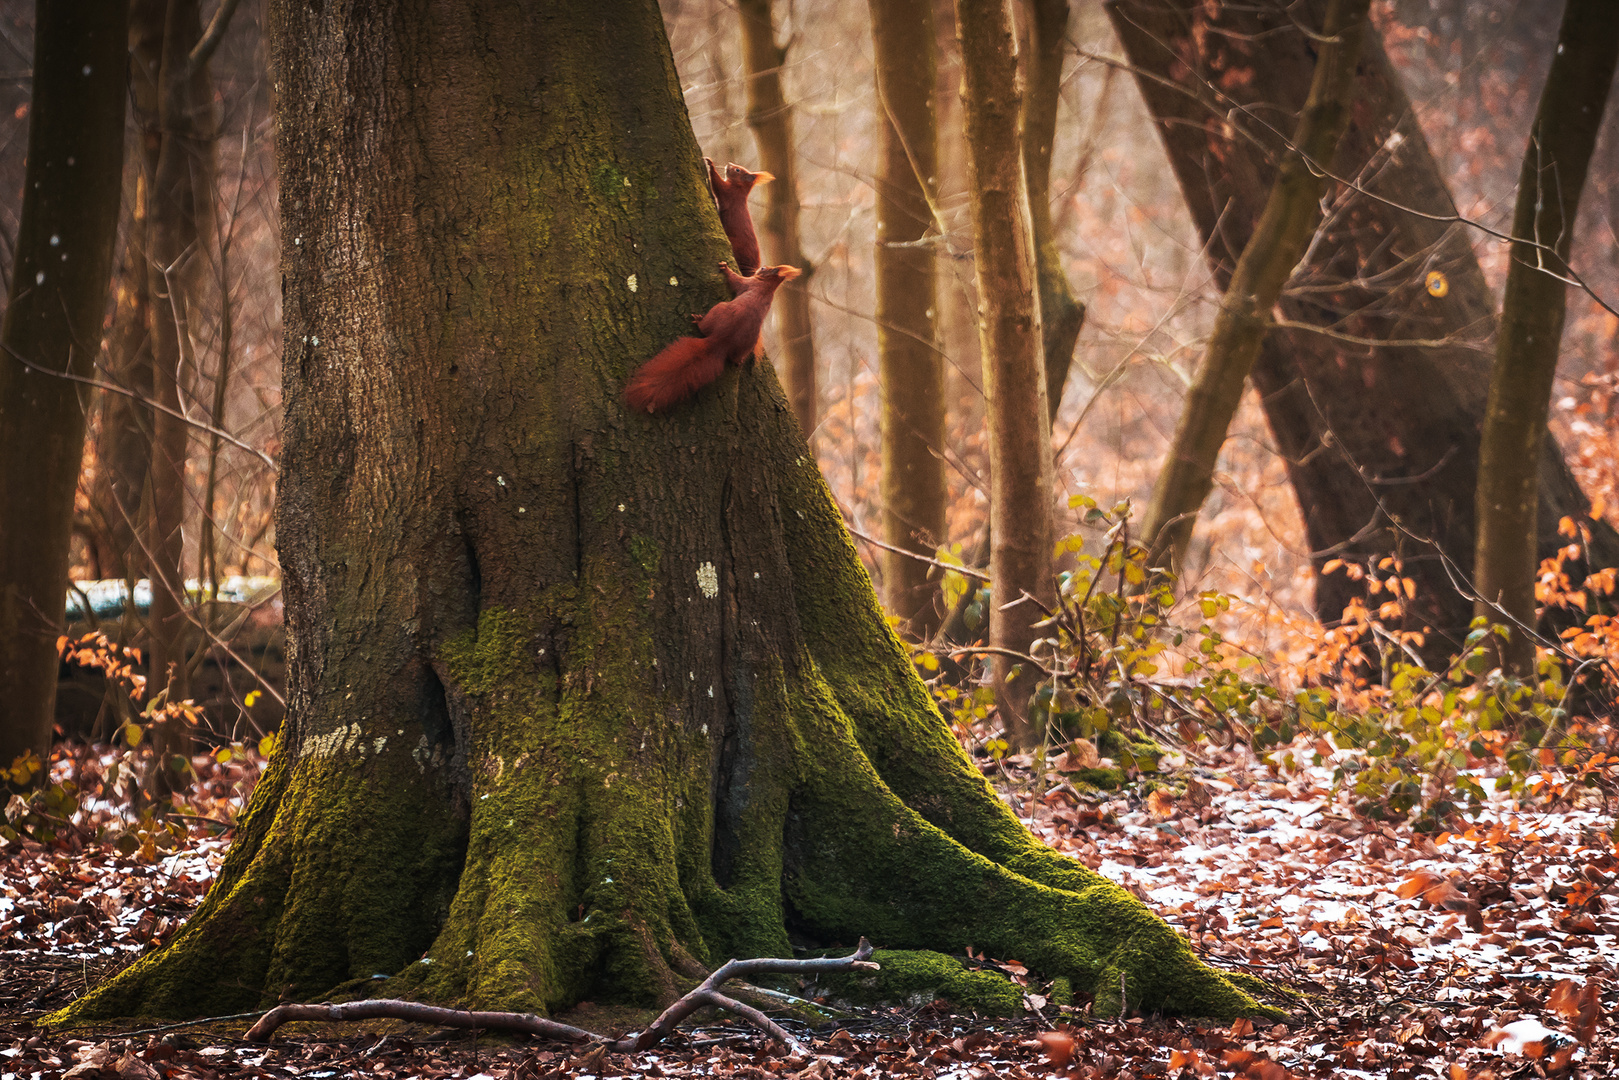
(274, 922)
(861, 862)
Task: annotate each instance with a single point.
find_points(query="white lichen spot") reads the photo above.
(485, 795)
(621, 508)
(626, 181)
(692, 675)
(87, 67)
(674, 281)
(39, 278)
(341, 740)
(314, 341)
(633, 283)
(705, 729)
(756, 575)
(378, 743)
(800, 513)
(501, 480)
(55, 240)
(469, 952)
(708, 580)
(710, 691)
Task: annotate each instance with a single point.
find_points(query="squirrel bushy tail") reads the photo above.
(675, 374)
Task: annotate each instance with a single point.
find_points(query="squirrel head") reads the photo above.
(736, 174)
(778, 274)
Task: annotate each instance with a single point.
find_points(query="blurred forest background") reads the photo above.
(1127, 243)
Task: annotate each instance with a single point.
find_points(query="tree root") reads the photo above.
(705, 993)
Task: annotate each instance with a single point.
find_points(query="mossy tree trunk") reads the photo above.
(1375, 386)
(1549, 188)
(1284, 228)
(771, 118)
(581, 702)
(1020, 516)
(52, 327)
(909, 361)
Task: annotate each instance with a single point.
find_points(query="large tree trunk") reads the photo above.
(771, 119)
(1549, 188)
(908, 357)
(1376, 394)
(580, 701)
(52, 326)
(1020, 467)
(1292, 212)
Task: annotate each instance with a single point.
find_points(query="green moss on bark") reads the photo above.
(912, 979)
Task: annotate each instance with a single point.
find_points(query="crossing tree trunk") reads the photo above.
(1375, 392)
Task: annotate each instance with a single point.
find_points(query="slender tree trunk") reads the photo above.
(1061, 316)
(771, 119)
(1284, 228)
(1526, 348)
(908, 357)
(52, 325)
(581, 702)
(123, 447)
(1009, 332)
(1375, 388)
(179, 228)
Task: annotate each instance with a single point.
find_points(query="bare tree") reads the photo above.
(909, 362)
(52, 329)
(1279, 238)
(1527, 345)
(1018, 416)
(771, 118)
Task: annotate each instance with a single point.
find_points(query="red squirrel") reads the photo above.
(728, 334)
(731, 196)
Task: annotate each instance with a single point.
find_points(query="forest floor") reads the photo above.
(1489, 954)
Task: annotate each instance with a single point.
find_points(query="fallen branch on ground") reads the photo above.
(705, 993)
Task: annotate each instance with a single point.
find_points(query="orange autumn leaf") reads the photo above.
(1161, 803)
(1458, 1071)
(1059, 1047)
(1241, 1026)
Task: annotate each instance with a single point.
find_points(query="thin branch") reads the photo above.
(149, 403)
(962, 570)
(211, 38)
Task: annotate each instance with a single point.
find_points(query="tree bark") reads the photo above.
(52, 325)
(123, 438)
(909, 362)
(1375, 387)
(179, 226)
(581, 702)
(1285, 227)
(1061, 316)
(1526, 348)
(1010, 337)
(771, 120)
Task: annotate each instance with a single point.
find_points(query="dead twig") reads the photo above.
(705, 993)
